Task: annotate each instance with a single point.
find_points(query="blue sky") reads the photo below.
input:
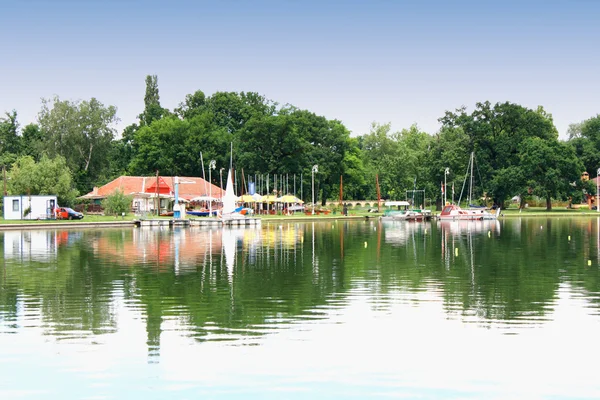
(357, 61)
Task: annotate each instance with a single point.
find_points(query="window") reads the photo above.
(15, 204)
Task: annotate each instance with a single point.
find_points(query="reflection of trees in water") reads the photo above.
(272, 279)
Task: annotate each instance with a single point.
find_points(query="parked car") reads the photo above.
(67, 213)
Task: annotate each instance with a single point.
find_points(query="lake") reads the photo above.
(503, 309)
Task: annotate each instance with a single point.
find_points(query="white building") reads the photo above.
(29, 207)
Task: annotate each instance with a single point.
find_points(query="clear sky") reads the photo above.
(402, 62)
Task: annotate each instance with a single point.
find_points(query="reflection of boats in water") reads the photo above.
(460, 227)
(398, 232)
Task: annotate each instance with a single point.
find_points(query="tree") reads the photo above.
(10, 141)
(82, 133)
(585, 139)
(152, 109)
(48, 176)
(549, 166)
(33, 141)
(496, 134)
(117, 203)
(193, 105)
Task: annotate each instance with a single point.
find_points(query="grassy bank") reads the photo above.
(357, 212)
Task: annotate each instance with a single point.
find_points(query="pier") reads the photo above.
(206, 222)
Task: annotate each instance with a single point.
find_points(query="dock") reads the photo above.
(205, 222)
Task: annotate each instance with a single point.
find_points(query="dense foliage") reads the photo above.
(117, 203)
(517, 150)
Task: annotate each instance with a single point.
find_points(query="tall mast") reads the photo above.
(471, 182)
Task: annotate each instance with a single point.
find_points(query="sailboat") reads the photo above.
(230, 212)
(455, 212)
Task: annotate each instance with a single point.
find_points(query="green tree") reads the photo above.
(193, 105)
(117, 203)
(82, 133)
(549, 166)
(48, 176)
(496, 134)
(152, 108)
(10, 140)
(33, 141)
(585, 139)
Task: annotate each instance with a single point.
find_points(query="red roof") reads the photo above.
(189, 187)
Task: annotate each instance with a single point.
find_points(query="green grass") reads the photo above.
(352, 212)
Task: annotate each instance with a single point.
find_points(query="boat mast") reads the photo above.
(471, 182)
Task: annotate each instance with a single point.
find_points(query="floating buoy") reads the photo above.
(569, 238)
(589, 262)
(426, 231)
(365, 245)
(374, 228)
(456, 251)
(489, 234)
(541, 227)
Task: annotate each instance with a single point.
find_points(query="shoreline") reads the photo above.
(133, 223)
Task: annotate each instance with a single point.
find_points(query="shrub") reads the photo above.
(117, 203)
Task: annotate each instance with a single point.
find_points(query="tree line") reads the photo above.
(74, 146)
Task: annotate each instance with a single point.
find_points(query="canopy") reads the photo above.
(270, 198)
(288, 198)
(246, 198)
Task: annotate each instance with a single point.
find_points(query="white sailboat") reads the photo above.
(230, 212)
(455, 212)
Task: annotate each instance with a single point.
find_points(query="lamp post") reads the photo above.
(446, 172)
(211, 165)
(315, 168)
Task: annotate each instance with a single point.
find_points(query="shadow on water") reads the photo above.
(237, 285)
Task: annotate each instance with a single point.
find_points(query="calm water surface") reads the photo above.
(357, 309)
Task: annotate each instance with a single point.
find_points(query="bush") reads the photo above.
(117, 203)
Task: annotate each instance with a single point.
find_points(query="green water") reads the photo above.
(358, 309)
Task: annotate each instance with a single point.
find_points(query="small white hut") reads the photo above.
(29, 207)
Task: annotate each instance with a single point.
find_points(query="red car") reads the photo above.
(67, 213)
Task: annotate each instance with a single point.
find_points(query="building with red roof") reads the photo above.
(145, 190)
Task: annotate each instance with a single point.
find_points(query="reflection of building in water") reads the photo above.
(164, 248)
(36, 245)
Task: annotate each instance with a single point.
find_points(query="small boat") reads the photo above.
(403, 213)
(201, 213)
(454, 212)
(473, 213)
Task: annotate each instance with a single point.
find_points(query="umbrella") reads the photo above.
(246, 198)
(270, 198)
(288, 198)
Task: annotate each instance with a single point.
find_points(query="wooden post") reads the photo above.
(157, 198)
(341, 190)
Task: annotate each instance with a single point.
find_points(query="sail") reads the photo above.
(229, 198)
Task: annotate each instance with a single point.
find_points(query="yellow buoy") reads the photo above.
(489, 234)
(589, 262)
(365, 245)
(456, 251)
(569, 238)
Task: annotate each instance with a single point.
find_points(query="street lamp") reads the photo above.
(446, 172)
(315, 169)
(211, 165)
